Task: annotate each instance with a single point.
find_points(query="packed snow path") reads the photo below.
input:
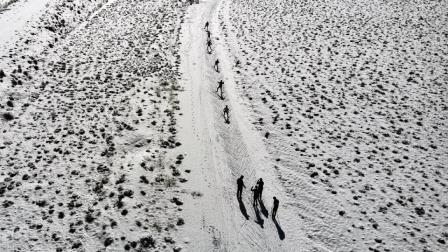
(218, 153)
(344, 167)
(351, 100)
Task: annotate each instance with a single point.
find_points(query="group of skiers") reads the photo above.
(226, 110)
(257, 191)
(258, 188)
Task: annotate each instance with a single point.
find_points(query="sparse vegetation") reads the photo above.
(78, 134)
(7, 116)
(4, 5)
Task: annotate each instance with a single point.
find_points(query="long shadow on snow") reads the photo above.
(280, 231)
(258, 220)
(264, 211)
(243, 208)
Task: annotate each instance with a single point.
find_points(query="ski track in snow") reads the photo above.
(225, 152)
(350, 98)
(113, 137)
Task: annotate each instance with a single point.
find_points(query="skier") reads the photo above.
(240, 185)
(206, 26)
(209, 46)
(226, 113)
(256, 195)
(209, 34)
(216, 65)
(275, 208)
(220, 83)
(260, 184)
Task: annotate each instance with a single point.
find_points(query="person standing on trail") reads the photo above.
(260, 185)
(226, 113)
(209, 46)
(217, 65)
(256, 195)
(240, 185)
(220, 83)
(209, 35)
(206, 26)
(275, 208)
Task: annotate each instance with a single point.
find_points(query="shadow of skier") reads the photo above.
(258, 218)
(243, 208)
(239, 193)
(263, 209)
(280, 231)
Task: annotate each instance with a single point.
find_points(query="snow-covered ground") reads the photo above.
(350, 98)
(4, 4)
(87, 119)
(112, 135)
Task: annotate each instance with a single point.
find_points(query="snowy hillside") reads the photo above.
(116, 136)
(351, 100)
(88, 105)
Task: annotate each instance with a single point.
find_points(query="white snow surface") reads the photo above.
(340, 106)
(350, 98)
(112, 135)
(84, 160)
(19, 16)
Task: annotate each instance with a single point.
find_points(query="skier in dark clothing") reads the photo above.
(240, 184)
(206, 26)
(226, 110)
(256, 195)
(209, 34)
(220, 83)
(275, 208)
(226, 114)
(260, 184)
(209, 46)
(217, 66)
(263, 209)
